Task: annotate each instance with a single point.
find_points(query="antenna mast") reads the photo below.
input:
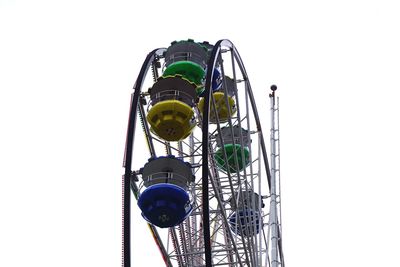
(275, 227)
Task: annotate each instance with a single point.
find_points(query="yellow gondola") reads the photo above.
(224, 111)
(172, 120)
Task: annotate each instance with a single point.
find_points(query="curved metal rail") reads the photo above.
(128, 185)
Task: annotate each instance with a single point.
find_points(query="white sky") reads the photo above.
(66, 73)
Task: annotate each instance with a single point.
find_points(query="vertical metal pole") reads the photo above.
(278, 163)
(273, 205)
(126, 193)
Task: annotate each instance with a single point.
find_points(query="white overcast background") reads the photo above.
(67, 69)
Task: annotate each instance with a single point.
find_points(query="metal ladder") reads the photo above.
(275, 218)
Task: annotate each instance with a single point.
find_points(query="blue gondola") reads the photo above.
(249, 222)
(166, 202)
(165, 205)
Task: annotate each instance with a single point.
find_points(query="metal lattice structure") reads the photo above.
(230, 223)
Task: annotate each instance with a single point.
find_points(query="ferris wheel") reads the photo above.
(198, 167)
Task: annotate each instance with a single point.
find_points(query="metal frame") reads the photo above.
(205, 237)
